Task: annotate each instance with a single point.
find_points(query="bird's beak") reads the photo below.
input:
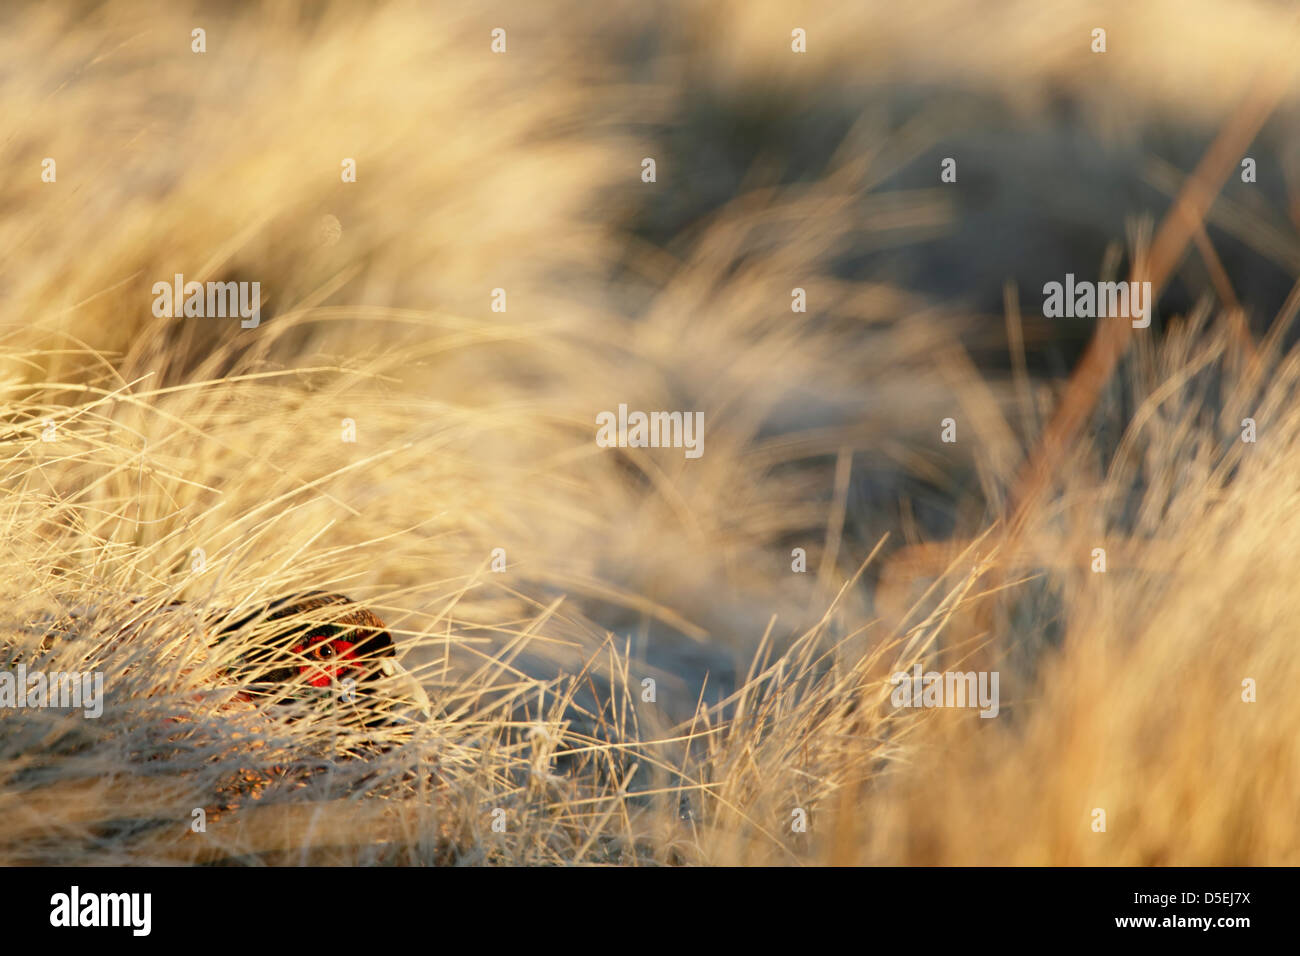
(407, 686)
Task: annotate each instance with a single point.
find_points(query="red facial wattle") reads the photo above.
(331, 654)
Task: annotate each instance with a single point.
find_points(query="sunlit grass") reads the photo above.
(198, 470)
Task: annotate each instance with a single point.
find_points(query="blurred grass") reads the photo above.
(474, 432)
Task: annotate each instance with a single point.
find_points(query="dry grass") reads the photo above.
(180, 439)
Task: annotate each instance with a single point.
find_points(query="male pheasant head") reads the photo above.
(322, 640)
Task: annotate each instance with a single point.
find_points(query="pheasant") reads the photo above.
(306, 645)
(320, 639)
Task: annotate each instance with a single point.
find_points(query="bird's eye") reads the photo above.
(324, 651)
